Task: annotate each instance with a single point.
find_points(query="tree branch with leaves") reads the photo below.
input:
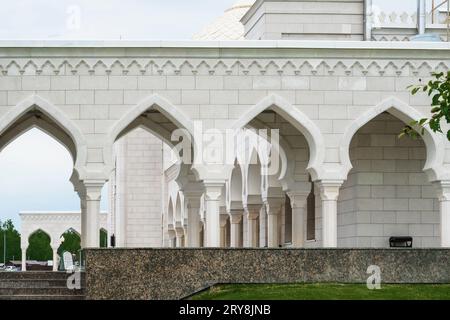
(439, 89)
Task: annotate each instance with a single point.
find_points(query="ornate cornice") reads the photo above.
(201, 66)
(55, 216)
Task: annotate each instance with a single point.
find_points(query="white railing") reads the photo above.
(394, 19)
(406, 19)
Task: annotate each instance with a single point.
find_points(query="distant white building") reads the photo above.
(329, 75)
(54, 224)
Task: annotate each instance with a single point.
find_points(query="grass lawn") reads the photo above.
(325, 292)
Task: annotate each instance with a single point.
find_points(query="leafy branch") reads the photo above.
(439, 89)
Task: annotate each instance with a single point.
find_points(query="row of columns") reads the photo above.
(329, 193)
(268, 213)
(248, 218)
(90, 195)
(54, 257)
(245, 223)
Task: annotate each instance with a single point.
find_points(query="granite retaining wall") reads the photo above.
(176, 273)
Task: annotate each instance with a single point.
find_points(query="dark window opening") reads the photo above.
(311, 214)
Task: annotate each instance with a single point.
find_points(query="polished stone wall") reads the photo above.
(177, 273)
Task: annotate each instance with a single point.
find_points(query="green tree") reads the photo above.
(39, 247)
(12, 241)
(439, 90)
(71, 243)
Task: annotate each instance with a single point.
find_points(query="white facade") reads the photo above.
(339, 106)
(305, 20)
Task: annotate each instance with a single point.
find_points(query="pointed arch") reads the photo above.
(170, 213)
(58, 125)
(179, 210)
(285, 172)
(132, 120)
(36, 230)
(235, 187)
(72, 230)
(155, 102)
(253, 179)
(402, 111)
(299, 120)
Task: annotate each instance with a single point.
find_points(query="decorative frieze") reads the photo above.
(246, 67)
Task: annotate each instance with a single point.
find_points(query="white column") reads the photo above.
(83, 223)
(112, 209)
(245, 239)
(236, 232)
(91, 225)
(223, 230)
(368, 20)
(213, 192)
(55, 258)
(282, 224)
(252, 213)
(298, 204)
(444, 211)
(273, 206)
(179, 237)
(263, 227)
(193, 229)
(421, 15)
(24, 258)
(172, 239)
(329, 192)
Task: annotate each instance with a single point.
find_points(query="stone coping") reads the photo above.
(293, 44)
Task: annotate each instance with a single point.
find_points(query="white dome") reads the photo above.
(228, 26)
(242, 3)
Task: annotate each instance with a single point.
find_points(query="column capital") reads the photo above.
(235, 218)
(172, 233)
(193, 202)
(223, 219)
(329, 189)
(298, 198)
(213, 189)
(252, 211)
(193, 190)
(443, 190)
(93, 189)
(274, 205)
(81, 191)
(179, 231)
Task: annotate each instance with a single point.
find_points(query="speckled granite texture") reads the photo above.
(175, 273)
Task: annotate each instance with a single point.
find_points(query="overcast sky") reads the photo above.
(35, 169)
(34, 175)
(115, 19)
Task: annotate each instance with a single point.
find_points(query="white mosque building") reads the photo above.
(330, 77)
